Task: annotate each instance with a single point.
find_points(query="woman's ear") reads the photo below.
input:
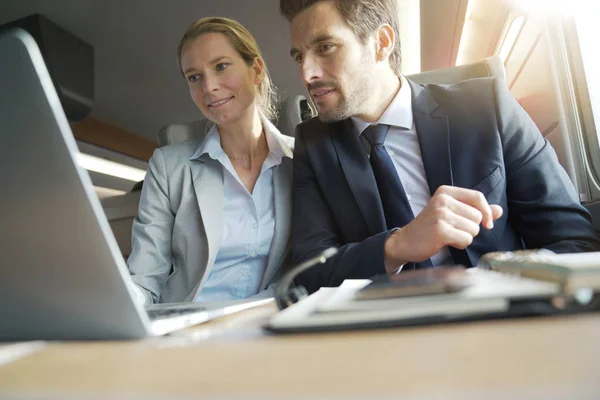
(386, 40)
(258, 66)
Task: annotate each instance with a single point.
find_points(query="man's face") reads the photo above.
(335, 67)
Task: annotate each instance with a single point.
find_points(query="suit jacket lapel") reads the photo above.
(282, 187)
(434, 138)
(433, 131)
(359, 175)
(207, 178)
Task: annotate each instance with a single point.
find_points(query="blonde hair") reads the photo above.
(245, 44)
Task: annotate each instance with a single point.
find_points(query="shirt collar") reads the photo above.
(278, 147)
(211, 145)
(399, 112)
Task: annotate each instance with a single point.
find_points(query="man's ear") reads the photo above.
(385, 40)
(258, 65)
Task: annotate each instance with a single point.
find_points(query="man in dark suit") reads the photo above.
(400, 176)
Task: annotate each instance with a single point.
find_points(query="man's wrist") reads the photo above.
(393, 262)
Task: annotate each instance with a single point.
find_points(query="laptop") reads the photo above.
(62, 274)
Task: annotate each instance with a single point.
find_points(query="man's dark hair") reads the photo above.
(363, 17)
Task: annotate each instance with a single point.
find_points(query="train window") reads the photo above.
(588, 31)
(581, 35)
(512, 33)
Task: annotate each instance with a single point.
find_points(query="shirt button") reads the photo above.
(254, 225)
(252, 253)
(390, 153)
(244, 273)
(408, 197)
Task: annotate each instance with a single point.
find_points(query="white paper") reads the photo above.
(13, 352)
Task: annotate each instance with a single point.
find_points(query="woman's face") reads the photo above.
(221, 83)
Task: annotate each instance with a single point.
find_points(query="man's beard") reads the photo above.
(352, 99)
(347, 106)
(335, 113)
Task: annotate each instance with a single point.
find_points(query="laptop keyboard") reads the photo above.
(160, 313)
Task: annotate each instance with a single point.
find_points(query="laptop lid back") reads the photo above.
(61, 272)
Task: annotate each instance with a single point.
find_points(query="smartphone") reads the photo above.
(416, 283)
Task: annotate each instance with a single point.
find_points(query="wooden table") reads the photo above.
(233, 358)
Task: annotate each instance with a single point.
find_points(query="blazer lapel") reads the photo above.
(282, 187)
(207, 178)
(434, 139)
(359, 175)
(433, 131)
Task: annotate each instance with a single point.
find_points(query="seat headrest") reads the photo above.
(490, 66)
(176, 133)
(292, 111)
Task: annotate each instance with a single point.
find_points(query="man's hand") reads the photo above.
(451, 218)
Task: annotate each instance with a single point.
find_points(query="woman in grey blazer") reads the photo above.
(214, 215)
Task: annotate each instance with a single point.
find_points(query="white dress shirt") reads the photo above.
(248, 224)
(402, 144)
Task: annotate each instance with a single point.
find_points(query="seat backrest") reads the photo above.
(123, 209)
(297, 109)
(490, 66)
(176, 133)
(291, 112)
(120, 212)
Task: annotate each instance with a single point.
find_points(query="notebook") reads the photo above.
(571, 271)
(490, 294)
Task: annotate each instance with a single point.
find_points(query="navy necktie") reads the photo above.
(396, 207)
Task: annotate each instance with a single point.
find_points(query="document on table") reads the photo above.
(13, 352)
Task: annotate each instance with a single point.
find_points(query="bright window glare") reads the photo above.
(511, 37)
(112, 168)
(410, 35)
(104, 193)
(465, 36)
(553, 7)
(588, 31)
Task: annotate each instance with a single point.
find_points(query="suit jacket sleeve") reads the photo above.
(150, 259)
(542, 202)
(314, 230)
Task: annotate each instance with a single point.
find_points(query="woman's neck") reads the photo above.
(243, 138)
